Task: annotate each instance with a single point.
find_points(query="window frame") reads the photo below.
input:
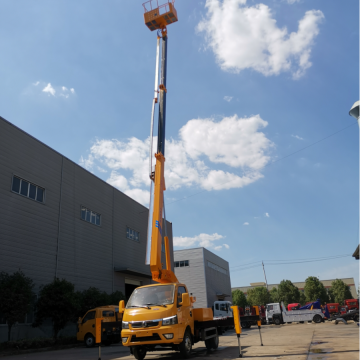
(28, 189)
(133, 234)
(92, 213)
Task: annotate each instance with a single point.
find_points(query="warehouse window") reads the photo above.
(182, 263)
(90, 216)
(27, 189)
(217, 268)
(132, 234)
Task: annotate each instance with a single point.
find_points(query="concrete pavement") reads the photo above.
(325, 341)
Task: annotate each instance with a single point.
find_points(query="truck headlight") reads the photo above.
(172, 320)
(125, 324)
(124, 339)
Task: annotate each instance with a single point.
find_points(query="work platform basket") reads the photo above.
(159, 16)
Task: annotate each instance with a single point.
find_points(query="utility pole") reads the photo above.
(265, 276)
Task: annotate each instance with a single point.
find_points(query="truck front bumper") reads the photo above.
(153, 336)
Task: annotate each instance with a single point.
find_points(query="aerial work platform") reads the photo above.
(159, 16)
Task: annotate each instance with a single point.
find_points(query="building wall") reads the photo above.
(203, 281)
(217, 282)
(300, 285)
(193, 276)
(50, 239)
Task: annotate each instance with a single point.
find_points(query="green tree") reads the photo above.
(314, 290)
(258, 296)
(302, 300)
(339, 291)
(288, 292)
(91, 298)
(274, 295)
(16, 297)
(115, 297)
(239, 298)
(57, 301)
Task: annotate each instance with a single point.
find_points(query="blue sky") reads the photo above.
(249, 82)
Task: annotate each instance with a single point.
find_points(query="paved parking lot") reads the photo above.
(325, 341)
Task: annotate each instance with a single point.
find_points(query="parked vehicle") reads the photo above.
(294, 306)
(333, 308)
(86, 325)
(278, 314)
(222, 309)
(352, 304)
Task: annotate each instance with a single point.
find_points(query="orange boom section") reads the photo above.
(159, 16)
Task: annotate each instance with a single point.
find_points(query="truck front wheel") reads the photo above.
(139, 352)
(89, 341)
(212, 343)
(317, 319)
(277, 321)
(186, 346)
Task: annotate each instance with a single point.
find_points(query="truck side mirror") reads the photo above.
(185, 299)
(121, 306)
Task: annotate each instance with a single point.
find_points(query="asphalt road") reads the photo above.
(325, 341)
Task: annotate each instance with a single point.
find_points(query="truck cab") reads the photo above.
(271, 309)
(158, 315)
(294, 306)
(352, 304)
(86, 324)
(222, 309)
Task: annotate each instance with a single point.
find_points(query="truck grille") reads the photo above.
(144, 324)
(154, 337)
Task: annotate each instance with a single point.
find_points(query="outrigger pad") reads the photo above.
(341, 319)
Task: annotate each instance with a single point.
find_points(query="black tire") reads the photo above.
(212, 343)
(356, 318)
(301, 322)
(186, 345)
(317, 319)
(139, 352)
(277, 321)
(89, 341)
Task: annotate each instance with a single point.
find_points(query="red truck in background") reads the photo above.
(250, 311)
(294, 306)
(333, 308)
(352, 304)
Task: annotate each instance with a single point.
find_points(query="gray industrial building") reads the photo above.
(59, 220)
(206, 275)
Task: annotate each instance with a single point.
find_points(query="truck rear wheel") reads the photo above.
(212, 343)
(186, 346)
(139, 352)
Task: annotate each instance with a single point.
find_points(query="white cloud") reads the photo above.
(226, 246)
(267, 215)
(297, 137)
(245, 223)
(191, 159)
(228, 98)
(218, 248)
(101, 169)
(49, 89)
(202, 240)
(247, 37)
(55, 91)
(87, 163)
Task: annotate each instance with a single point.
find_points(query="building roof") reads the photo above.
(356, 253)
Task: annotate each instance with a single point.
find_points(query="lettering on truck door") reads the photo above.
(181, 312)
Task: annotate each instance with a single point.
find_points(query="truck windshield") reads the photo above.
(153, 295)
